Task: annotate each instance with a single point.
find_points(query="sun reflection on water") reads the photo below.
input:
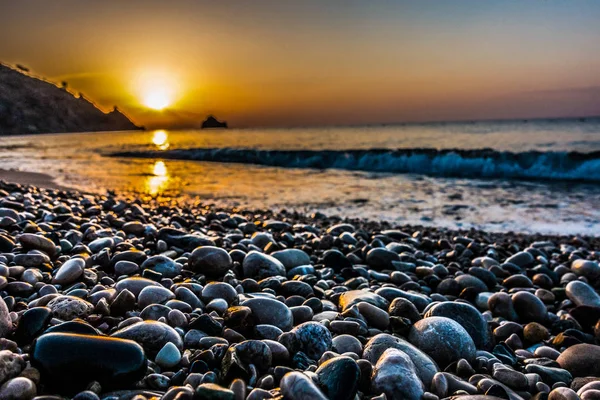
(157, 183)
(160, 139)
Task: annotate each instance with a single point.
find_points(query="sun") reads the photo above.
(156, 89)
(157, 99)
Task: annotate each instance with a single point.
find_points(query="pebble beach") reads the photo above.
(122, 297)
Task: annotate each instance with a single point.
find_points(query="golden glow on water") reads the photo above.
(158, 181)
(161, 139)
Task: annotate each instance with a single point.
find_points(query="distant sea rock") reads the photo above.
(211, 123)
(31, 105)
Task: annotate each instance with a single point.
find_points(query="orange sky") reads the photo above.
(308, 63)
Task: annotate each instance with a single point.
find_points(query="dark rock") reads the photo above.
(69, 362)
(270, 311)
(338, 378)
(468, 317)
(32, 323)
(395, 375)
(210, 260)
(443, 339)
(581, 360)
(151, 335)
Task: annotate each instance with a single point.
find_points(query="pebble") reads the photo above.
(291, 258)
(152, 335)
(69, 361)
(11, 365)
(395, 376)
(210, 260)
(468, 317)
(338, 378)
(18, 389)
(582, 294)
(169, 356)
(67, 308)
(271, 312)
(297, 386)
(69, 272)
(443, 339)
(163, 265)
(256, 304)
(581, 360)
(6, 325)
(259, 265)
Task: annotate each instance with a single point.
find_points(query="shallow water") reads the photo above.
(551, 195)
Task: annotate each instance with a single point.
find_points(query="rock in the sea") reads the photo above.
(395, 376)
(210, 260)
(297, 386)
(339, 377)
(259, 266)
(70, 307)
(69, 272)
(69, 362)
(468, 317)
(581, 360)
(271, 312)
(443, 339)
(152, 335)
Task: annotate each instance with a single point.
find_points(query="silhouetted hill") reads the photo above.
(31, 105)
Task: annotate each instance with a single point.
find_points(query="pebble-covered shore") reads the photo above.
(116, 298)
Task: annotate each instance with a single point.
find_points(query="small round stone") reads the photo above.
(210, 260)
(443, 339)
(169, 356)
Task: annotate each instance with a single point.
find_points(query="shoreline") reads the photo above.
(37, 179)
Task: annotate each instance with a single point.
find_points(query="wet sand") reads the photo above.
(30, 178)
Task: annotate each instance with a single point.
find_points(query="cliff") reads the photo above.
(32, 105)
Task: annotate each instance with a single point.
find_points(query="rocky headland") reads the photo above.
(29, 105)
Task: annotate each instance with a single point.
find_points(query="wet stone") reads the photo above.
(581, 360)
(443, 339)
(338, 378)
(395, 376)
(69, 307)
(210, 260)
(152, 335)
(71, 361)
(163, 265)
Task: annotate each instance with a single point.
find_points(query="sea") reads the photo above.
(523, 176)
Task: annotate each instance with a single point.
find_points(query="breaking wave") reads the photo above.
(483, 163)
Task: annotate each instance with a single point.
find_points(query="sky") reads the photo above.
(314, 62)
